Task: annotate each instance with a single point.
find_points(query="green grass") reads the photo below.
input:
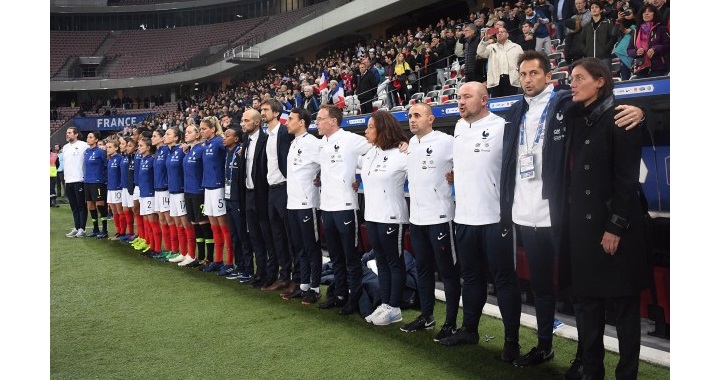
(117, 315)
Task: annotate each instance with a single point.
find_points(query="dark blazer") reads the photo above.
(258, 175)
(603, 166)
(366, 86)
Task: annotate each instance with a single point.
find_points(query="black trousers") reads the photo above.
(366, 106)
(482, 248)
(76, 197)
(53, 181)
(259, 231)
(627, 313)
(277, 211)
(304, 233)
(240, 237)
(434, 245)
(340, 229)
(386, 240)
(504, 88)
(541, 257)
(59, 183)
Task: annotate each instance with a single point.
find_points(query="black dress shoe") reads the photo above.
(349, 308)
(575, 372)
(257, 281)
(510, 352)
(333, 301)
(461, 336)
(534, 357)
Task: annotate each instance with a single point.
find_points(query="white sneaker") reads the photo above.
(375, 313)
(177, 259)
(187, 261)
(72, 233)
(387, 316)
(80, 233)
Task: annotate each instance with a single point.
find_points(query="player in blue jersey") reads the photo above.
(144, 231)
(127, 182)
(95, 162)
(176, 184)
(114, 189)
(214, 184)
(162, 195)
(146, 185)
(195, 198)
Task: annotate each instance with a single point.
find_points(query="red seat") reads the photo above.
(363, 241)
(406, 241)
(661, 276)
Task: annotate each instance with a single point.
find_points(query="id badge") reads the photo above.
(527, 166)
(227, 189)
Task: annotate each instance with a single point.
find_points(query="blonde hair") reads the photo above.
(213, 122)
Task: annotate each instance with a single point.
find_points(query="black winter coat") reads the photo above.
(603, 166)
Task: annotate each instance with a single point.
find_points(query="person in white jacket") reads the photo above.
(383, 170)
(502, 56)
(481, 243)
(432, 210)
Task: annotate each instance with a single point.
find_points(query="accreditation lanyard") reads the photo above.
(229, 171)
(527, 159)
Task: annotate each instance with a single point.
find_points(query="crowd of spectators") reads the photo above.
(641, 42)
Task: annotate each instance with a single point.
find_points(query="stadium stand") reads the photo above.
(139, 53)
(136, 53)
(66, 45)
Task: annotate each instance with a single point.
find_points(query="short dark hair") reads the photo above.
(334, 112)
(303, 114)
(542, 58)
(75, 131)
(597, 69)
(274, 104)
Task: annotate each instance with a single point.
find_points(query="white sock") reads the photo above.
(304, 287)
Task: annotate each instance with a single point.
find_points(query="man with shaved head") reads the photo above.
(431, 214)
(481, 243)
(254, 194)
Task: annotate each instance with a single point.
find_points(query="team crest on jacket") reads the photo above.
(485, 134)
(337, 148)
(559, 116)
(428, 151)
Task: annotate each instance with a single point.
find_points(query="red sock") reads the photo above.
(129, 222)
(166, 236)
(157, 236)
(173, 238)
(219, 243)
(180, 240)
(190, 236)
(228, 245)
(141, 225)
(147, 231)
(121, 223)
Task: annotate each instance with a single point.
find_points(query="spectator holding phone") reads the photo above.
(502, 56)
